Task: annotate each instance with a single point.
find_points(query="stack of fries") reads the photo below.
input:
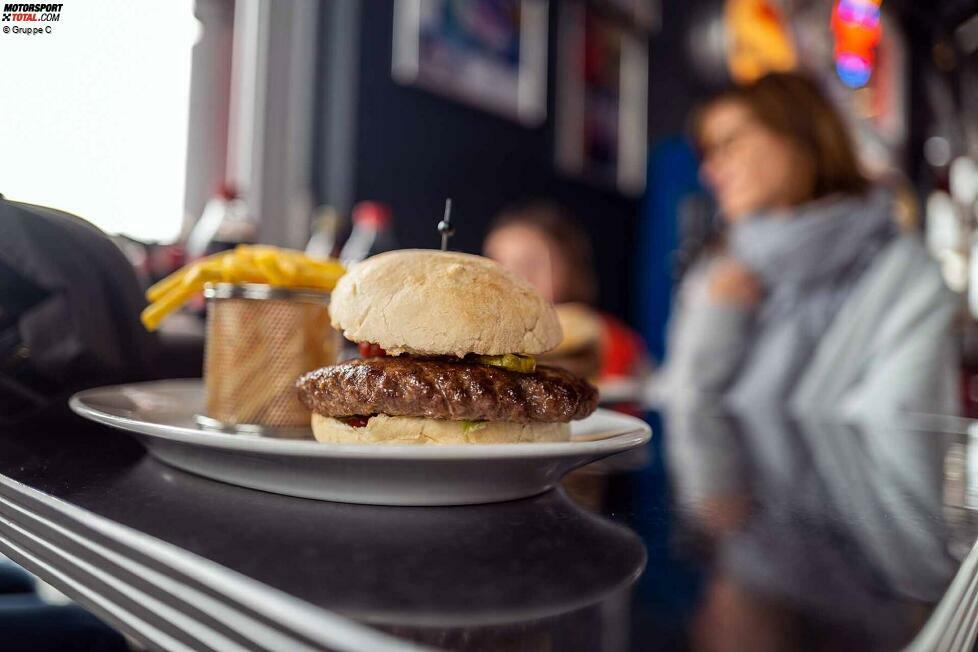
(244, 264)
(258, 342)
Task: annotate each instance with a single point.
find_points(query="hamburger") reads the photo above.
(580, 350)
(448, 344)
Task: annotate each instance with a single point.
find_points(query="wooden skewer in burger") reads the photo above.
(448, 343)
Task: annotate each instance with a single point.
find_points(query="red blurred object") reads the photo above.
(223, 224)
(622, 349)
(373, 213)
(368, 350)
(227, 191)
(372, 232)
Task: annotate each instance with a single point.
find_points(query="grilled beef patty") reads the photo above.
(438, 388)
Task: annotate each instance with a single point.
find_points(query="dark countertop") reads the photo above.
(747, 533)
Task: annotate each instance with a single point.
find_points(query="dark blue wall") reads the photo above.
(415, 148)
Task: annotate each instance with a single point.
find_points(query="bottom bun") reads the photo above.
(383, 429)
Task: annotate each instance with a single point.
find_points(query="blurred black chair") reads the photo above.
(69, 313)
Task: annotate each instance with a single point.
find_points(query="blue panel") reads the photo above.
(672, 177)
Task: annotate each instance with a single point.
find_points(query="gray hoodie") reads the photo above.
(855, 322)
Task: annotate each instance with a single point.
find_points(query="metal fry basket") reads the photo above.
(260, 339)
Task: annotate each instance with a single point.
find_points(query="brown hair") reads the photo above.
(566, 235)
(793, 106)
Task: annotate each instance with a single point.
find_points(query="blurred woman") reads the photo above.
(815, 299)
(540, 243)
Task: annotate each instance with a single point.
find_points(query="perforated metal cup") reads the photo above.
(260, 339)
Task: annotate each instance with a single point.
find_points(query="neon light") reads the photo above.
(853, 71)
(857, 30)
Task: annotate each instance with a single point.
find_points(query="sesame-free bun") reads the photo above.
(383, 429)
(428, 302)
(581, 326)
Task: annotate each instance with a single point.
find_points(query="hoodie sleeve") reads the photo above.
(918, 371)
(707, 342)
(891, 349)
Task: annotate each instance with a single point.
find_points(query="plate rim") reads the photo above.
(639, 433)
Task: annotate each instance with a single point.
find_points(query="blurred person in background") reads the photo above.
(540, 243)
(812, 297)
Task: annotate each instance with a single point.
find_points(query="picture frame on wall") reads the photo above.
(602, 99)
(490, 54)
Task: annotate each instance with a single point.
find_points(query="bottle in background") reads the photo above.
(326, 224)
(223, 225)
(371, 232)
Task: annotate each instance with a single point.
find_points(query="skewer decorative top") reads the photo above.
(445, 227)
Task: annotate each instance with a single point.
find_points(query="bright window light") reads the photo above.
(93, 116)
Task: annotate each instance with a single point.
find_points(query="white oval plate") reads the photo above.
(161, 415)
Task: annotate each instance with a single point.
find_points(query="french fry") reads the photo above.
(243, 253)
(235, 270)
(312, 279)
(192, 282)
(243, 264)
(331, 267)
(252, 252)
(202, 272)
(229, 269)
(163, 286)
(288, 266)
(319, 273)
(157, 311)
(268, 263)
(158, 289)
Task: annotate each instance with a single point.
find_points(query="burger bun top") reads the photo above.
(429, 302)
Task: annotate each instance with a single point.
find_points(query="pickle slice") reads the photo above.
(524, 364)
(472, 426)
